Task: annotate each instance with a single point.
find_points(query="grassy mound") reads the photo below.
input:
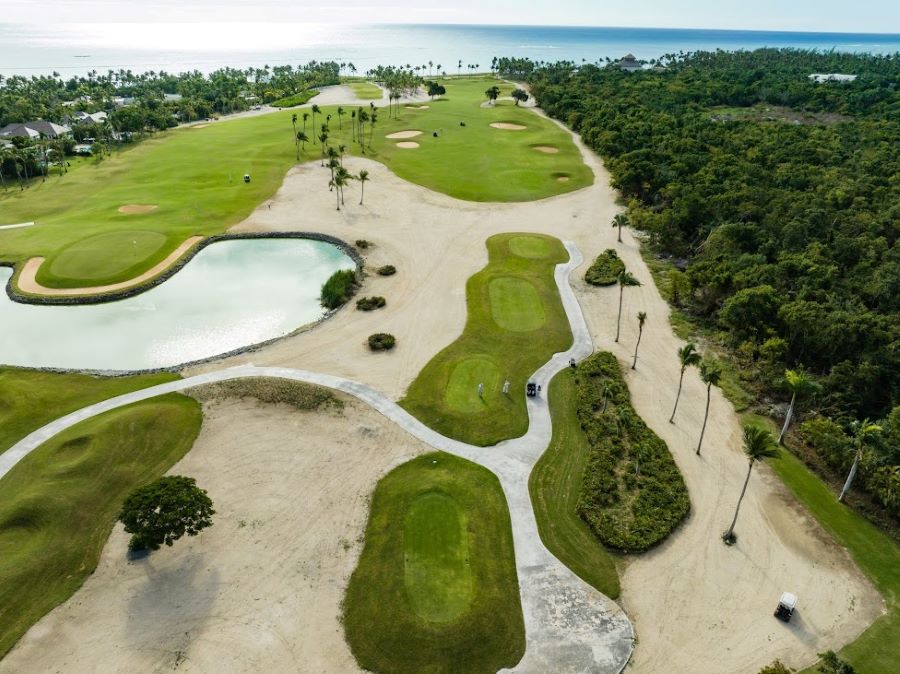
(605, 269)
(632, 494)
(516, 323)
(58, 505)
(297, 394)
(435, 589)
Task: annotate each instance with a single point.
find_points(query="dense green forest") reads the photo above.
(782, 198)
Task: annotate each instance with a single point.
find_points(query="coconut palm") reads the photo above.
(687, 356)
(353, 125)
(341, 150)
(296, 143)
(302, 139)
(642, 318)
(339, 182)
(759, 444)
(333, 162)
(620, 221)
(373, 118)
(862, 431)
(606, 393)
(340, 113)
(323, 138)
(305, 117)
(624, 279)
(316, 110)
(363, 177)
(798, 382)
(711, 375)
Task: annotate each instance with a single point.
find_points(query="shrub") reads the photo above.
(164, 511)
(632, 494)
(295, 99)
(362, 243)
(387, 270)
(370, 303)
(338, 289)
(381, 341)
(297, 394)
(776, 667)
(605, 269)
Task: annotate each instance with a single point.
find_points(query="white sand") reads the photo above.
(506, 126)
(417, 107)
(408, 145)
(547, 149)
(261, 589)
(137, 209)
(403, 134)
(562, 179)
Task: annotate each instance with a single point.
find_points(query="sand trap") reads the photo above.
(416, 107)
(136, 209)
(547, 149)
(562, 179)
(404, 134)
(408, 145)
(507, 126)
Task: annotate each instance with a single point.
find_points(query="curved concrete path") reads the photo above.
(570, 627)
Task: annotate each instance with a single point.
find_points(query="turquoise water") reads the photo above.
(232, 294)
(175, 47)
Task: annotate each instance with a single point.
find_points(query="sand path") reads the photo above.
(27, 280)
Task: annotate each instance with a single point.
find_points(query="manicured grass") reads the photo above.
(555, 484)
(365, 91)
(296, 99)
(529, 246)
(30, 398)
(58, 505)
(195, 177)
(515, 323)
(435, 589)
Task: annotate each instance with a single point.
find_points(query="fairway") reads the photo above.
(194, 176)
(435, 589)
(515, 323)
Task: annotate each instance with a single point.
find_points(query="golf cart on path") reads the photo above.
(532, 389)
(786, 606)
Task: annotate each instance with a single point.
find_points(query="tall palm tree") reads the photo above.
(316, 110)
(862, 431)
(759, 444)
(340, 113)
(323, 138)
(373, 118)
(341, 150)
(687, 356)
(296, 139)
(302, 138)
(305, 117)
(798, 382)
(363, 177)
(642, 318)
(624, 279)
(711, 375)
(620, 221)
(342, 176)
(333, 162)
(352, 125)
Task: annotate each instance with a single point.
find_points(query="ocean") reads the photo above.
(74, 49)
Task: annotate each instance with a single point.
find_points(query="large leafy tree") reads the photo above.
(165, 510)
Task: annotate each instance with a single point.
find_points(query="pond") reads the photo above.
(232, 294)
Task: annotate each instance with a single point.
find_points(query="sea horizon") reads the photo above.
(77, 48)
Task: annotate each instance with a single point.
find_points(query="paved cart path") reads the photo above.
(570, 626)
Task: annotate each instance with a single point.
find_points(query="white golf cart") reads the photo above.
(786, 606)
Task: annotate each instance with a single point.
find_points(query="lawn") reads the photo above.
(516, 322)
(555, 485)
(436, 589)
(58, 505)
(30, 398)
(365, 91)
(194, 175)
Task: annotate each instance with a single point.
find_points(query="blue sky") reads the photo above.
(879, 16)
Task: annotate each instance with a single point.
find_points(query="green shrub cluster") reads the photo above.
(605, 269)
(381, 341)
(295, 99)
(633, 495)
(338, 288)
(297, 394)
(387, 270)
(370, 303)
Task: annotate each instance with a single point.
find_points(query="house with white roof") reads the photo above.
(819, 78)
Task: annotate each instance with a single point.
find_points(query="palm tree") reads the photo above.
(642, 318)
(711, 375)
(316, 110)
(296, 139)
(339, 182)
(620, 221)
(606, 394)
(798, 382)
(352, 125)
(341, 150)
(342, 176)
(373, 118)
(862, 431)
(323, 138)
(625, 279)
(363, 177)
(302, 138)
(687, 356)
(340, 113)
(333, 162)
(759, 444)
(305, 117)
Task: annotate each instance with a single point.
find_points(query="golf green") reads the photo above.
(515, 304)
(100, 256)
(532, 247)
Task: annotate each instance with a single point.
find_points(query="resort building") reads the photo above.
(831, 77)
(629, 64)
(34, 130)
(88, 118)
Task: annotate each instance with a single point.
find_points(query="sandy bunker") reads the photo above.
(136, 209)
(508, 126)
(547, 149)
(408, 145)
(404, 134)
(417, 107)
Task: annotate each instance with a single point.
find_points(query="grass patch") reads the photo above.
(297, 394)
(31, 398)
(435, 589)
(338, 289)
(59, 504)
(365, 91)
(295, 99)
(529, 246)
(555, 485)
(495, 347)
(605, 270)
(100, 256)
(633, 495)
(194, 176)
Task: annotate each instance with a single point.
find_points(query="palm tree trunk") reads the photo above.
(619, 321)
(730, 532)
(705, 417)
(678, 395)
(637, 344)
(362, 191)
(787, 419)
(620, 233)
(337, 197)
(850, 477)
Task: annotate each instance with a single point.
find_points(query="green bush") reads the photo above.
(387, 270)
(605, 269)
(338, 289)
(362, 243)
(370, 303)
(381, 341)
(295, 99)
(164, 511)
(632, 496)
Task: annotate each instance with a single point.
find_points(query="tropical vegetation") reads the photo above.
(605, 269)
(163, 511)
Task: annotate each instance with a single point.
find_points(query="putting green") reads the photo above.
(532, 247)
(462, 389)
(436, 542)
(516, 305)
(101, 256)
